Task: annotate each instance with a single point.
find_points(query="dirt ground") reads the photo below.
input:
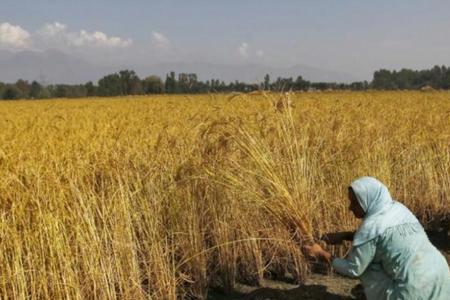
(318, 286)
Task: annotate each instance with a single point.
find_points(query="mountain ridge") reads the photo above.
(56, 67)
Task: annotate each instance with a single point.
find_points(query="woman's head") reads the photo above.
(368, 196)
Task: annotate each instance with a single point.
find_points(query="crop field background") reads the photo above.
(165, 197)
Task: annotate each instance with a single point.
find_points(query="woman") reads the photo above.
(391, 253)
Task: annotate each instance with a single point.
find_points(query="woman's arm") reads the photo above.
(348, 235)
(354, 265)
(336, 238)
(357, 260)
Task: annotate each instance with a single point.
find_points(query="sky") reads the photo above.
(350, 36)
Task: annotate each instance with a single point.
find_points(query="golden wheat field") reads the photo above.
(165, 197)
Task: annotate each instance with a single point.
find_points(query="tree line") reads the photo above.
(127, 82)
(406, 79)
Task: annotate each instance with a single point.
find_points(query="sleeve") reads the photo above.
(357, 261)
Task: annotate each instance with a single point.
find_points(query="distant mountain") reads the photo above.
(50, 66)
(53, 66)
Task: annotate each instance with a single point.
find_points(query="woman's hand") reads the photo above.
(315, 250)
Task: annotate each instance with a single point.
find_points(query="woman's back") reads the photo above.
(415, 268)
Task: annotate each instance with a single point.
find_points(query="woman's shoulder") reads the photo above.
(403, 234)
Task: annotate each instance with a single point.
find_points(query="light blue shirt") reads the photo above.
(400, 263)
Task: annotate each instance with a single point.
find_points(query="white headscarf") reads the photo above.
(381, 212)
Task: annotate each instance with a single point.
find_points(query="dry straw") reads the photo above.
(168, 197)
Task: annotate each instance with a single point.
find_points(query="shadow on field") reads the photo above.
(315, 291)
(439, 233)
(440, 240)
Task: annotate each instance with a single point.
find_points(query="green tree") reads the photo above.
(384, 80)
(171, 83)
(24, 87)
(301, 84)
(62, 91)
(187, 82)
(153, 85)
(446, 78)
(267, 82)
(12, 92)
(2, 87)
(110, 85)
(91, 89)
(35, 90)
(130, 83)
(45, 93)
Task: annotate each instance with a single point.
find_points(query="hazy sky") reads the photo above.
(351, 36)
